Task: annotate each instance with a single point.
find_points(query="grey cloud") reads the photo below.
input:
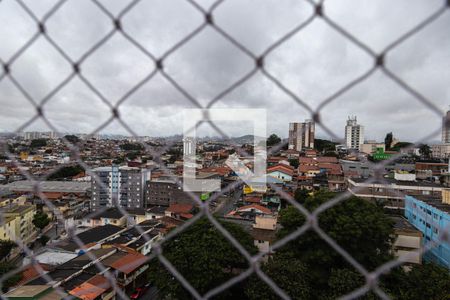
(314, 63)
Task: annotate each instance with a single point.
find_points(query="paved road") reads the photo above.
(228, 203)
(53, 232)
(151, 294)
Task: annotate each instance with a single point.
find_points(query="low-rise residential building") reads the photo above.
(249, 212)
(180, 211)
(264, 233)
(35, 292)
(390, 192)
(408, 241)
(82, 278)
(427, 169)
(281, 171)
(370, 147)
(139, 237)
(90, 239)
(19, 223)
(432, 217)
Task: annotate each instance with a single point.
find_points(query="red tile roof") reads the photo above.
(92, 288)
(31, 272)
(222, 171)
(307, 168)
(256, 207)
(129, 262)
(327, 159)
(281, 168)
(252, 199)
(178, 208)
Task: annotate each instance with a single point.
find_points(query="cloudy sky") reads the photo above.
(314, 64)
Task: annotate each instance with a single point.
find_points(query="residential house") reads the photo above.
(281, 171)
(264, 232)
(408, 241)
(180, 211)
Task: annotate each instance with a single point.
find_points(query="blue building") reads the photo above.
(432, 218)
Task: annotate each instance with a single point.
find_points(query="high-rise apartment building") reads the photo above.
(122, 186)
(446, 128)
(354, 134)
(301, 135)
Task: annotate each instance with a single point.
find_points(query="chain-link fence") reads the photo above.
(318, 11)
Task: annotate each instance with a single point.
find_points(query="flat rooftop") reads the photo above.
(391, 181)
(401, 223)
(50, 186)
(436, 202)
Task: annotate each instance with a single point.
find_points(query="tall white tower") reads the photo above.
(354, 134)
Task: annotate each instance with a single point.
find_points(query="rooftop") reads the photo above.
(27, 291)
(50, 186)
(401, 223)
(434, 201)
(93, 235)
(392, 181)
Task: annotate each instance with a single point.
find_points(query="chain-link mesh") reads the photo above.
(318, 11)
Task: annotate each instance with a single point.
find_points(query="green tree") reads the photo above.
(43, 240)
(301, 194)
(324, 145)
(388, 140)
(428, 281)
(400, 145)
(12, 280)
(38, 143)
(425, 150)
(358, 226)
(40, 220)
(294, 162)
(66, 172)
(72, 138)
(5, 248)
(289, 273)
(204, 257)
(273, 140)
(344, 281)
(131, 146)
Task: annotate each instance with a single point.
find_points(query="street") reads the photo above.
(228, 203)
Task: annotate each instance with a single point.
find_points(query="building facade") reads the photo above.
(432, 218)
(18, 223)
(371, 147)
(354, 134)
(440, 151)
(301, 135)
(118, 186)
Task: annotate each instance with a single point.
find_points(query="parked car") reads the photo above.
(140, 291)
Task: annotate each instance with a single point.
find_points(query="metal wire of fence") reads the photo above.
(318, 12)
